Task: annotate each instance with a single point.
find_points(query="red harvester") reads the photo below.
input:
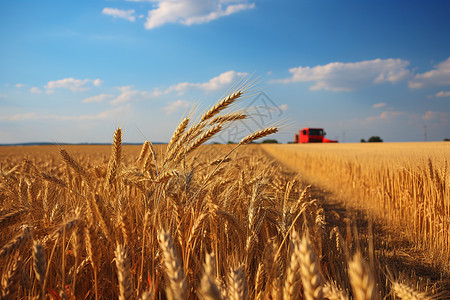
(312, 135)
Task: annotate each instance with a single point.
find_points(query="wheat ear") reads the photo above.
(177, 289)
(293, 280)
(100, 212)
(116, 157)
(66, 227)
(144, 151)
(177, 133)
(11, 280)
(237, 284)
(258, 134)
(310, 270)
(361, 279)
(15, 243)
(221, 105)
(147, 295)
(39, 264)
(184, 139)
(406, 292)
(208, 289)
(228, 118)
(332, 292)
(123, 273)
(75, 166)
(204, 137)
(166, 175)
(77, 244)
(53, 179)
(12, 217)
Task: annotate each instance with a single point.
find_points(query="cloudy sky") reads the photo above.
(72, 71)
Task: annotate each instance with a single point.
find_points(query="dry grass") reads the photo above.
(179, 222)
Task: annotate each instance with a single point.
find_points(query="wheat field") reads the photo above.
(185, 221)
(407, 184)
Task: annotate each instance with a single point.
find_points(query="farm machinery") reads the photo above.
(312, 135)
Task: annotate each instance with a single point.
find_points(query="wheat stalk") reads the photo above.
(93, 250)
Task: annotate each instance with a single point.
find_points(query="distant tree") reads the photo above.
(269, 141)
(231, 142)
(363, 140)
(375, 139)
(446, 140)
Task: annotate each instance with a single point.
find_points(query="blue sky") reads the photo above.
(72, 71)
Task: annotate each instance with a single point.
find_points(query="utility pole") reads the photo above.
(425, 132)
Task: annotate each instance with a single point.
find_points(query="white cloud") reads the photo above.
(443, 94)
(384, 116)
(432, 115)
(119, 13)
(284, 107)
(18, 117)
(378, 105)
(439, 76)
(107, 114)
(127, 95)
(35, 90)
(98, 98)
(190, 12)
(216, 83)
(175, 106)
(19, 85)
(97, 82)
(113, 113)
(75, 85)
(338, 76)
